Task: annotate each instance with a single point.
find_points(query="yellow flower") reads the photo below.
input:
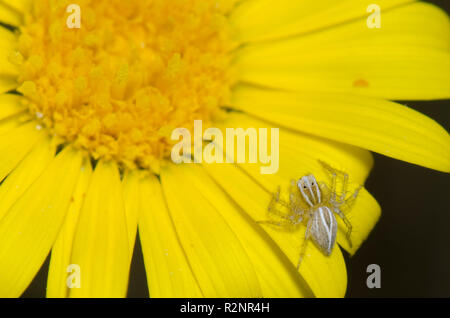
(86, 115)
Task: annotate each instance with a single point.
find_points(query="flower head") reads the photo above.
(86, 116)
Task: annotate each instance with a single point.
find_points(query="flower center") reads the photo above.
(134, 71)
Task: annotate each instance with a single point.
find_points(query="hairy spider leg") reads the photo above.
(276, 200)
(347, 224)
(344, 187)
(305, 242)
(342, 201)
(270, 222)
(334, 174)
(288, 219)
(351, 200)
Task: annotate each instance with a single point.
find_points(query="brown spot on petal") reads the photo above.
(361, 83)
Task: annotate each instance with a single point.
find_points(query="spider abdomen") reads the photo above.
(324, 228)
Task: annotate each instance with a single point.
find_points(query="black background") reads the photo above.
(411, 242)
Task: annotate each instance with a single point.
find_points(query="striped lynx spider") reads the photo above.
(317, 203)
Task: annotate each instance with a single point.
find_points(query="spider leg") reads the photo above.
(285, 221)
(275, 214)
(297, 217)
(276, 195)
(333, 173)
(274, 223)
(274, 211)
(293, 218)
(305, 242)
(276, 199)
(351, 200)
(292, 214)
(347, 224)
(282, 218)
(344, 187)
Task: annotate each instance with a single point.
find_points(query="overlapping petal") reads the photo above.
(408, 58)
(30, 227)
(100, 244)
(262, 20)
(169, 273)
(215, 253)
(381, 126)
(60, 269)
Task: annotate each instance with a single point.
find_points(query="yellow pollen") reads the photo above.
(134, 71)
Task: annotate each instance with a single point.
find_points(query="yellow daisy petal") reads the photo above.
(100, 246)
(217, 258)
(10, 104)
(15, 145)
(14, 122)
(7, 69)
(377, 125)
(28, 170)
(19, 5)
(130, 186)
(271, 19)
(7, 84)
(168, 271)
(7, 39)
(363, 217)
(8, 15)
(31, 225)
(59, 271)
(297, 146)
(277, 276)
(402, 60)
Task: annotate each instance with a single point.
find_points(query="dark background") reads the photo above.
(411, 242)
